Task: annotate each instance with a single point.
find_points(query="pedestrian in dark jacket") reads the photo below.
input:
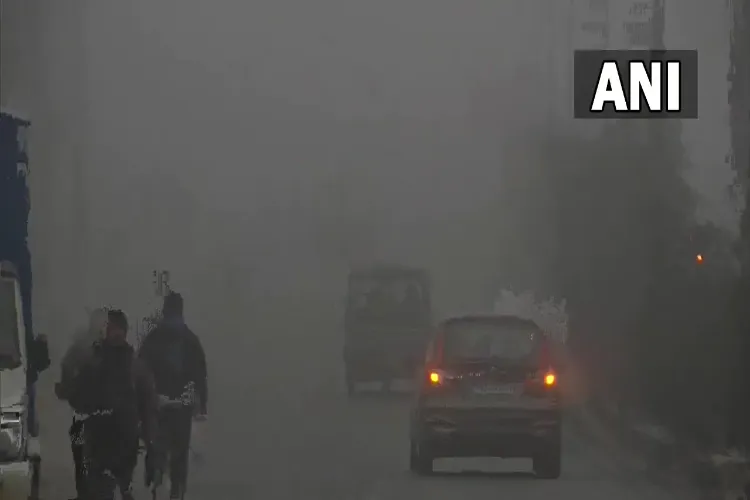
(80, 352)
(114, 395)
(175, 356)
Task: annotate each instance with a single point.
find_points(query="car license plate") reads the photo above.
(496, 390)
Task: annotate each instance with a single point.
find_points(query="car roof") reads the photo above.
(504, 319)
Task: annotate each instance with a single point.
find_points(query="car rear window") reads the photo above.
(512, 340)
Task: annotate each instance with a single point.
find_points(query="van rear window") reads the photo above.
(387, 299)
(483, 339)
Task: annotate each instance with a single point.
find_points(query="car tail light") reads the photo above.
(541, 382)
(438, 379)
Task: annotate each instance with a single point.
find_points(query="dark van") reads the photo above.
(387, 323)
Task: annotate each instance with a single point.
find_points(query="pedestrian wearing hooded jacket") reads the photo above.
(175, 356)
(78, 354)
(114, 392)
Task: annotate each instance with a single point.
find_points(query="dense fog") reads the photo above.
(258, 149)
(307, 135)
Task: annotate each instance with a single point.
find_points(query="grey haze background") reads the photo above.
(260, 146)
(255, 148)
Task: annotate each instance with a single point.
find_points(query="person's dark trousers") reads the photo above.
(125, 478)
(102, 481)
(76, 446)
(109, 460)
(104, 476)
(175, 427)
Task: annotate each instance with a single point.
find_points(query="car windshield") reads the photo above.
(491, 339)
(10, 354)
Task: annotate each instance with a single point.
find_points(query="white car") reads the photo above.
(20, 457)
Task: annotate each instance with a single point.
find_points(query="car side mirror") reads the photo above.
(39, 354)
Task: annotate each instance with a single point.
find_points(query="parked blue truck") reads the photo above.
(23, 355)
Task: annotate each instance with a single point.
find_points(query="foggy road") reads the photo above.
(281, 427)
(260, 148)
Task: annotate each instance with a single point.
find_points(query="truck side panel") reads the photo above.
(15, 205)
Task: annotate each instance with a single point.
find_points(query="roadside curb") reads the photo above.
(586, 424)
(667, 463)
(639, 446)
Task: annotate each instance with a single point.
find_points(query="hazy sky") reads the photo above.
(256, 118)
(257, 148)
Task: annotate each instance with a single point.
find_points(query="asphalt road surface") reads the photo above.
(282, 428)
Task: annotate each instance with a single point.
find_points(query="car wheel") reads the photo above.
(548, 462)
(420, 461)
